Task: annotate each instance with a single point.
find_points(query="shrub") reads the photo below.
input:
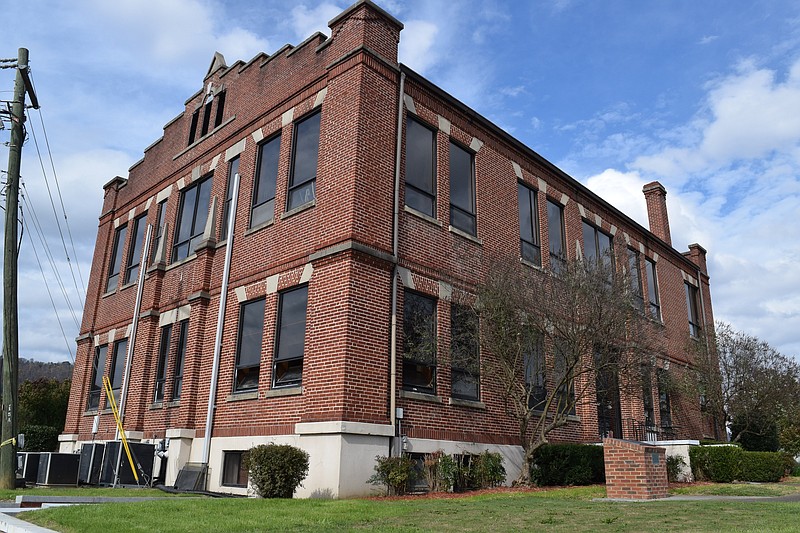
(764, 467)
(276, 470)
(486, 470)
(40, 438)
(439, 470)
(396, 473)
(675, 464)
(724, 464)
(568, 464)
(715, 463)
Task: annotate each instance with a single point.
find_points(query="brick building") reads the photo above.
(364, 190)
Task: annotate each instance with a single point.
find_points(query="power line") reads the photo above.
(60, 197)
(55, 214)
(48, 253)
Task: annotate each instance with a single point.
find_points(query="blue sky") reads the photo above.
(702, 96)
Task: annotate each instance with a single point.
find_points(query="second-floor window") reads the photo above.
(597, 247)
(420, 167)
(555, 235)
(305, 153)
(263, 209)
(462, 189)
(158, 233)
(192, 216)
(135, 250)
(116, 258)
(535, 387)
(530, 248)
(693, 309)
(652, 288)
(635, 278)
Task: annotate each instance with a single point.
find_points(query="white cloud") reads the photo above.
(417, 45)
(706, 39)
(305, 21)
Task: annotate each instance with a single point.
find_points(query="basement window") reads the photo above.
(234, 471)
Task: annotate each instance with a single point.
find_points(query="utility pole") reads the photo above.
(8, 443)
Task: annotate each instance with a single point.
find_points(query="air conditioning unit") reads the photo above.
(29, 467)
(58, 469)
(91, 461)
(115, 463)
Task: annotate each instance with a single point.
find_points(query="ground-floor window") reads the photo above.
(234, 472)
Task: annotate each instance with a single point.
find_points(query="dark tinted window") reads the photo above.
(420, 167)
(535, 376)
(191, 219)
(530, 249)
(180, 355)
(635, 277)
(464, 353)
(233, 169)
(116, 258)
(161, 368)
(462, 190)
(135, 251)
(118, 367)
(248, 350)
(291, 337)
(555, 234)
(419, 342)
(98, 367)
(652, 288)
(220, 98)
(266, 178)
(305, 151)
(159, 229)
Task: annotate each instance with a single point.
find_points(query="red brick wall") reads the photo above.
(635, 471)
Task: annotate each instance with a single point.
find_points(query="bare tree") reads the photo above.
(746, 383)
(556, 341)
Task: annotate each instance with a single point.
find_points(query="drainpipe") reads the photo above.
(395, 247)
(134, 327)
(223, 300)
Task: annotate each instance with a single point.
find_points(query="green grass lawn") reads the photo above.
(555, 510)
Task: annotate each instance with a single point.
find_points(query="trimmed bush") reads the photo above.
(715, 463)
(40, 438)
(764, 467)
(276, 470)
(675, 464)
(568, 464)
(486, 470)
(395, 473)
(724, 464)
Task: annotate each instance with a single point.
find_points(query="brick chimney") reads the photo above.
(697, 255)
(365, 24)
(656, 197)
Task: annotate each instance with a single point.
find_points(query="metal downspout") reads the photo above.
(137, 307)
(223, 300)
(395, 247)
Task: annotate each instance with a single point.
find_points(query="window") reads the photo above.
(116, 258)
(555, 234)
(180, 355)
(530, 248)
(597, 248)
(234, 473)
(692, 309)
(464, 353)
(305, 151)
(535, 376)
(159, 231)
(98, 367)
(664, 401)
(206, 118)
(193, 126)
(635, 274)
(462, 189)
(135, 250)
(419, 343)
(291, 338)
(266, 177)
(220, 98)
(420, 167)
(564, 376)
(233, 169)
(161, 368)
(248, 348)
(118, 367)
(192, 216)
(652, 288)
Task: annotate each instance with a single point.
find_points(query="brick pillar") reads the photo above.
(635, 471)
(656, 197)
